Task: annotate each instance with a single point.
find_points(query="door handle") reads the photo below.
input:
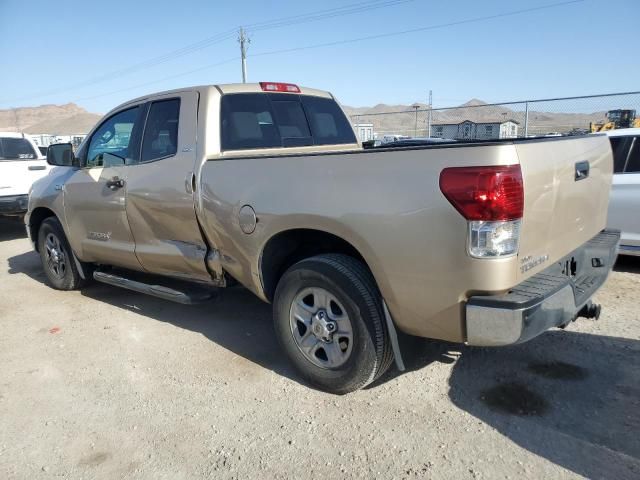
(37, 167)
(115, 183)
(582, 170)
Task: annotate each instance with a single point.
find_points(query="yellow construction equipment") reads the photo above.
(617, 119)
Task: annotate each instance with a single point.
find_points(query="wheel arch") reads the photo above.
(287, 247)
(37, 216)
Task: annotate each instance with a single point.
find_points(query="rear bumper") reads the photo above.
(551, 298)
(14, 204)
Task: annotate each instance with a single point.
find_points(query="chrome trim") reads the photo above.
(493, 327)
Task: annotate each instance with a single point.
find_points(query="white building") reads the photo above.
(364, 131)
(468, 130)
(46, 139)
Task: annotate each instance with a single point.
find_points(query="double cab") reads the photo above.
(182, 193)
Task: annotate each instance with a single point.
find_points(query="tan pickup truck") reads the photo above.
(181, 193)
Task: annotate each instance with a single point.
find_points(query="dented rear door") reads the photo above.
(160, 196)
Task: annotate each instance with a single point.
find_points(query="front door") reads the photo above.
(94, 196)
(160, 196)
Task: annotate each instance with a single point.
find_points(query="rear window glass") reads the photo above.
(247, 122)
(258, 120)
(16, 149)
(328, 123)
(292, 123)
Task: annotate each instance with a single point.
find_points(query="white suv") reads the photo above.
(21, 164)
(624, 205)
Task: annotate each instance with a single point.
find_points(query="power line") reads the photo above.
(323, 14)
(419, 29)
(220, 37)
(200, 69)
(146, 64)
(352, 40)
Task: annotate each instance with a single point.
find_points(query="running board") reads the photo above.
(187, 298)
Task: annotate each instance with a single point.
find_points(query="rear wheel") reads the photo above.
(57, 257)
(329, 320)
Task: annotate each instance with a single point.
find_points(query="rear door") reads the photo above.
(20, 166)
(566, 194)
(624, 205)
(160, 191)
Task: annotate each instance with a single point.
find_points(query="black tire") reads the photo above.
(67, 278)
(350, 282)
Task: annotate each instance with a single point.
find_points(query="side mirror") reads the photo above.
(61, 155)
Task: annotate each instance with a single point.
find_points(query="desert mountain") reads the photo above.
(54, 119)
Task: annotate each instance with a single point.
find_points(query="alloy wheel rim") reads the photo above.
(55, 256)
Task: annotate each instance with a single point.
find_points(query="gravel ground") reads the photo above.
(106, 383)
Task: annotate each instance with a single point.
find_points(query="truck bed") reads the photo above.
(388, 205)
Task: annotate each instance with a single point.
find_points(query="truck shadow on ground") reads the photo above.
(237, 320)
(626, 263)
(11, 229)
(571, 398)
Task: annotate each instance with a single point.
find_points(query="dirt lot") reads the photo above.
(105, 383)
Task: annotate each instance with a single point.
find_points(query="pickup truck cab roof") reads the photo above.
(209, 125)
(223, 89)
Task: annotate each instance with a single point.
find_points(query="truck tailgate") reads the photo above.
(566, 194)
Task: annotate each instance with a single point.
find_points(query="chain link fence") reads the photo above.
(476, 120)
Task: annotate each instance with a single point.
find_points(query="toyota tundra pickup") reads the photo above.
(181, 193)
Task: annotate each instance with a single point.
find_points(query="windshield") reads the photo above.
(16, 149)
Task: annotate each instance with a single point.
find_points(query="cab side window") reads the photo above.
(111, 144)
(160, 138)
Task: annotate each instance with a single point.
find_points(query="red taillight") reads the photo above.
(485, 193)
(279, 87)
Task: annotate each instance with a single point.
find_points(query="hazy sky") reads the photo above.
(84, 51)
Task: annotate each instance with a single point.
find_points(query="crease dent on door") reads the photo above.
(160, 203)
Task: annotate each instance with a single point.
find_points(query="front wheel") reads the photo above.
(329, 320)
(57, 257)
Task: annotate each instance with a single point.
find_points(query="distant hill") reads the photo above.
(54, 119)
(475, 110)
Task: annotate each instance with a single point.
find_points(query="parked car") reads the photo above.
(624, 204)
(20, 165)
(417, 142)
(266, 185)
(393, 138)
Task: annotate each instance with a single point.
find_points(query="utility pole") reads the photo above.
(430, 118)
(15, 119)
(244, 41)
(415, 127)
